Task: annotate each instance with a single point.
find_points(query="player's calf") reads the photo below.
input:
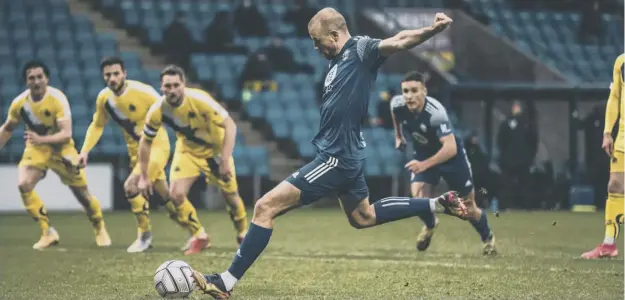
(139, 206)
(478, 219)
(238, 215)
(187, 215)
(397, 208)
(94, 213)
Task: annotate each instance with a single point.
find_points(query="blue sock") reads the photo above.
(397, 208)
(253, 245)
(481, 226)
(428, 219)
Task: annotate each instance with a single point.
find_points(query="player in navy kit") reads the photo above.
(437, 153)
(337, 171)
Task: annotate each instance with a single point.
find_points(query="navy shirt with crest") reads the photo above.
(350, 77)
(425, 128)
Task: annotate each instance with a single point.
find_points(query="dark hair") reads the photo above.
(111, 61)
(413, 76)
(33, 64)
(173, 70)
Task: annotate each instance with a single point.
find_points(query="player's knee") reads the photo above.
(25, 185)
(176, 195)
(263, 208)
(130, 190)
(359, 223)
(615, 186)
(362, 219)
(418, 191)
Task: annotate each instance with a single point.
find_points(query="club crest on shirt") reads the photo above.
(331, 75)
(419, 138)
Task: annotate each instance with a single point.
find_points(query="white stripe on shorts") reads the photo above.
(321, 169)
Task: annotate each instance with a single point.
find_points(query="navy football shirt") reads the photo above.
(425, 128)
(345, 100)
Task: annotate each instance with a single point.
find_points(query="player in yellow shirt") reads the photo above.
(49, 145)
(205, 136)
(614, 205)
(127, 102)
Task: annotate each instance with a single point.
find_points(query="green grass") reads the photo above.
(315, 254)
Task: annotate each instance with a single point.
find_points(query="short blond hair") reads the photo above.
(329, 19)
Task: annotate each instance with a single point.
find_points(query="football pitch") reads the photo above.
(315, 254)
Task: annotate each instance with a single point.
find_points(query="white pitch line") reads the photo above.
(419, 263)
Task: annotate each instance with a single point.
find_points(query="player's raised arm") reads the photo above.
(408, 39)
(612, 108)
(444, 131)
(95, 130)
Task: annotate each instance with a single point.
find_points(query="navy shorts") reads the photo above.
(326, 176)
(456, 172)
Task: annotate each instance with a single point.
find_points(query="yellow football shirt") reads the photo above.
(128, 110)
(42, 116)
(198, 123)
(615, 106)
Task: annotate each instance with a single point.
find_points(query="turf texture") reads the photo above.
(315, 254)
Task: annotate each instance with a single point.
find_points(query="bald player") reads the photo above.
(338, 169)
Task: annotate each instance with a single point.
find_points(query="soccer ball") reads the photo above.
(173, 279)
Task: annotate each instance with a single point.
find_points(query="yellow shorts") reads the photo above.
(63, 163)
(185, 165)
(156, 168)
(617, 162)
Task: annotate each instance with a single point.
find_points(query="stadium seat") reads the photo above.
(280, 128)
(550, 36)
(306, 149)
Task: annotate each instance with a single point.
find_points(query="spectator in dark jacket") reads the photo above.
(256, 69)
(280, 57)
(299, 17)
(219, 35)
(591, 26)
(517, 140)
(178, 42)
(249, 21)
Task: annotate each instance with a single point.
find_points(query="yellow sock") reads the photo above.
(188, 216)
(238, 215)
(613, 217)
(94, 213)
(172, 211)
(34, 207)
(141, 208)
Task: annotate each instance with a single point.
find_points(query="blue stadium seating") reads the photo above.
(72, 49)
(552, 37)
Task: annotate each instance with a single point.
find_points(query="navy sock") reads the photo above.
(253, 245)
(428, 219)
(481, 226)
(397, 208)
